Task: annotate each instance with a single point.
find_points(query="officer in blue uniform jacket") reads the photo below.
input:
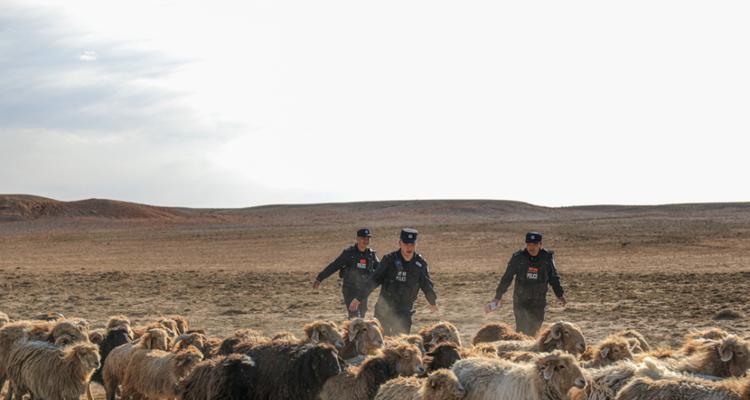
(401, 275)
(534, 269)
(355, 265)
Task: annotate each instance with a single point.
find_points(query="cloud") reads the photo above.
(88, 56)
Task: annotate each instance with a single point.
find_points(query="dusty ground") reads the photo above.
(662, 270)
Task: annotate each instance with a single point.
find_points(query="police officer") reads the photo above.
(401, 275)
(355, 265)
(534, 269)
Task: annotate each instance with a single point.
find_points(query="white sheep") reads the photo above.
(548, 378)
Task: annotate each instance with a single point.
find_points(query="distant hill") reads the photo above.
(25, 207)
(32, 208)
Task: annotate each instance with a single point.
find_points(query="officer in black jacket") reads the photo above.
(401, 275)
(533, 269)
(355, 265)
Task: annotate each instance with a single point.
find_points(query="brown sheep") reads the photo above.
(608, 351)
(30, 364)
(156, 374)
(324, 332)
(440, 332)
(362, 383)
(284, 336)
(392, 341)
(724, 358)
(479, 350)
(229, 377)
(497, 331)
(97, 336)
(168, 325)
(442, 356)
(685, 388)
(197, 340)
(116, 363)
(643, 345)
(361, 337)
(182, 324)
(561, 335)
(439, 385)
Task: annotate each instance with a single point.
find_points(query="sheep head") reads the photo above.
(324, 332)
(612, 350)
(181, 323)
(735, 352)
(87, 355)
(443, 384)
(439, 333)
(442, 356)
(406, 358)
(560, 372)
(563, 336)
(367, 335)
(155, 339)
(323, 361)
(68, 332)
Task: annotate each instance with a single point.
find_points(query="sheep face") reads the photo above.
(443, 384)
(324, 362)
(324, 332)
(440, 333)
(367, 336)
(564, 336)
(735, 352)
(68, 332)
(561, 371)
(442, 356)
(408, 360)
(614, 350)
(88, 356)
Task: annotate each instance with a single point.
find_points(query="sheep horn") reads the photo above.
(726, 355)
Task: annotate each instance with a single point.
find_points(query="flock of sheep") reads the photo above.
(56, 358)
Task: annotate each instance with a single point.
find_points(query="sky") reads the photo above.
(236, 104)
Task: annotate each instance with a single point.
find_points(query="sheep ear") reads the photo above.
(603, 352)
(315, 337)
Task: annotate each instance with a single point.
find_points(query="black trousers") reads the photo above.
(361, 311)
(394, 322)
(529, 317)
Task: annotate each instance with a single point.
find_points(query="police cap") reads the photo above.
(364, 232)
(533, 237)
(409, 235)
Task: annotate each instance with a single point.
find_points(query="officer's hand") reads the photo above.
(563, 301)
(316, 284)
(354, 305)
(434, 308)
(493, 305)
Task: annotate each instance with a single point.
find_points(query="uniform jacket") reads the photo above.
(400, 281)
(532, 275)
(354, 267)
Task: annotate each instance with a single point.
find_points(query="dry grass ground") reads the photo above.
(663, 270)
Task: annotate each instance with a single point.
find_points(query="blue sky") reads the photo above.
(233, 104)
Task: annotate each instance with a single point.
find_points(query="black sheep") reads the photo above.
(292, 371)
(230, 377)
(114, 338)
(442, 356)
